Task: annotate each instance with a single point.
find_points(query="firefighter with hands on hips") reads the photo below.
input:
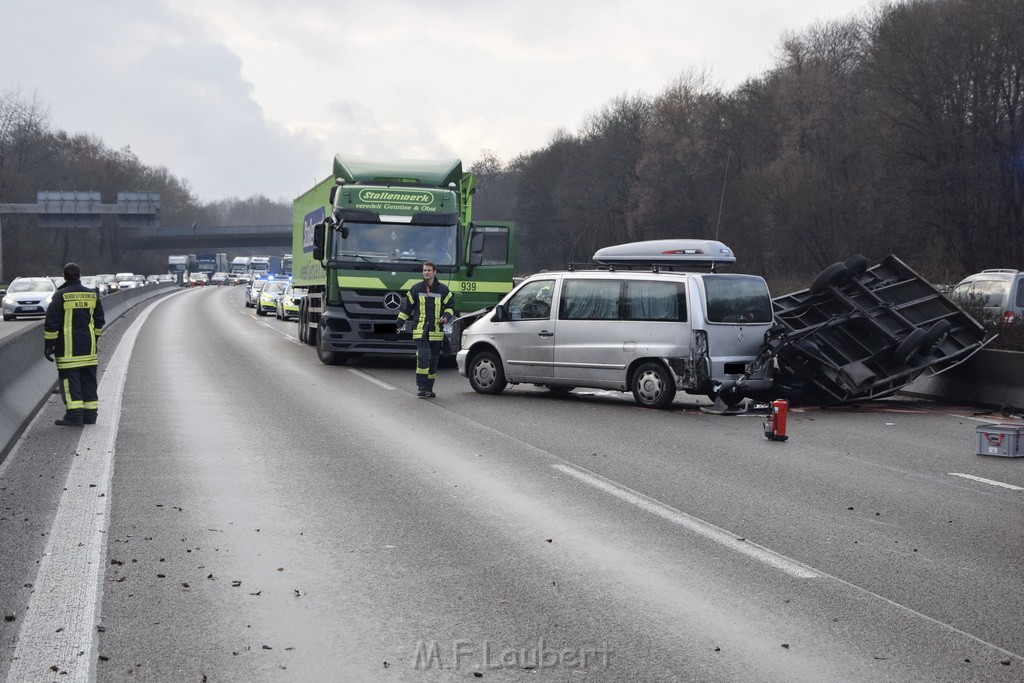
(427, 307)
(74, 322)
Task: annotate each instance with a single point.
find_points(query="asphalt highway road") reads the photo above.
(242, 512)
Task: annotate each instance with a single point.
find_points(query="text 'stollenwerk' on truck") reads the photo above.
(360, 238)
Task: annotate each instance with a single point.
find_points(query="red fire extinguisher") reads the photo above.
(775, 425)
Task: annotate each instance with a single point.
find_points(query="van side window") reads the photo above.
(991, 292)
(590, 300)
(645, 300)
(737, 299)
(532, 301)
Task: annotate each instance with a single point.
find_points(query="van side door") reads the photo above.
(605, 324)
(527, 337)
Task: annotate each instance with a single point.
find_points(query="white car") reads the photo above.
(28, 296)
(126, 281)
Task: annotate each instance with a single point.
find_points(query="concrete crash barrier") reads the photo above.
(991, 377)
(27, 378)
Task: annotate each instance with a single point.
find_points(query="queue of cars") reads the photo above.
(28, 297)
(279, 297)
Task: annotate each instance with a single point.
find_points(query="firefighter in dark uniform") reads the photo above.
(74, 321)
(430, 304)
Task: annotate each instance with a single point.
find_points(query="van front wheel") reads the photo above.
(486, 375)
(653, 386)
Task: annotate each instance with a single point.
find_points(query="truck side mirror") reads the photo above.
(476, 252)
(476, 249)
(318, 242)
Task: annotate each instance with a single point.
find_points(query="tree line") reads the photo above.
(900, 131)
(33, 157)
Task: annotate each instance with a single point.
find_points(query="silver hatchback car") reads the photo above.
(28, 296)
(999, 292)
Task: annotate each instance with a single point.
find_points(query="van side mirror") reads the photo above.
(318, 241)
(500, 314)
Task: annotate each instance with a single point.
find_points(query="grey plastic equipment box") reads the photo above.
(1001, 440)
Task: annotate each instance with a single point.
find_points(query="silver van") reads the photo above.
(652, 332)
(997, 292)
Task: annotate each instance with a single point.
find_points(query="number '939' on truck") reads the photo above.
(360, 238)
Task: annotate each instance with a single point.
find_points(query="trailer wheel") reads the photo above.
(653, 386)
(801, 360)
(935, 337)
(910, 345)
(836, 274)
(486, 375)
(856, 266)
(730, 397)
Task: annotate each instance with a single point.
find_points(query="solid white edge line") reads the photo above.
(697, 526)
(60, 624)
(987, 481)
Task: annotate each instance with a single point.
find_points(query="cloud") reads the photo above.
(256, 96)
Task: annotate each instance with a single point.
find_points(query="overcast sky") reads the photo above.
(256, 96)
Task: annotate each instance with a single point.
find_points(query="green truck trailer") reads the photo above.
(360, 237)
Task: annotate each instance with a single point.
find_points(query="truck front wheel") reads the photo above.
(328, 357)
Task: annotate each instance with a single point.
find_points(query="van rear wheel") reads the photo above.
(486, 375)
(653, 386)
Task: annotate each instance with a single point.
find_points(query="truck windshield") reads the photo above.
(378, 242)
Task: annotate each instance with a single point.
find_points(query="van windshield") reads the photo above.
(737, 299)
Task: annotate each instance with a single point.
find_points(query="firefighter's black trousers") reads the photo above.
(78, 388)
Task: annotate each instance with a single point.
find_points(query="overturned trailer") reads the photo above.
(860, 333)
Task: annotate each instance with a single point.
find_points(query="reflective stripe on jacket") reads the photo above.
(426, 306)
(74, 320)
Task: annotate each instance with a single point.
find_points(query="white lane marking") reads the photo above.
(371, 378)
(284, 333)
(987, 481)
(697, 526)
(60, 625)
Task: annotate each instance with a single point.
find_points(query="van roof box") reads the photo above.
(673, 253)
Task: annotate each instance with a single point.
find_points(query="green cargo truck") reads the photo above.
(359, 240)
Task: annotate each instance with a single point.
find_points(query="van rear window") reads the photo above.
(623, 300)
(737, 299)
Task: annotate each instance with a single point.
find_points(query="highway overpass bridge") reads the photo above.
(190, 239)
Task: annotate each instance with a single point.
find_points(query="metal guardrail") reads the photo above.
(991, 377)
(27, 379)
